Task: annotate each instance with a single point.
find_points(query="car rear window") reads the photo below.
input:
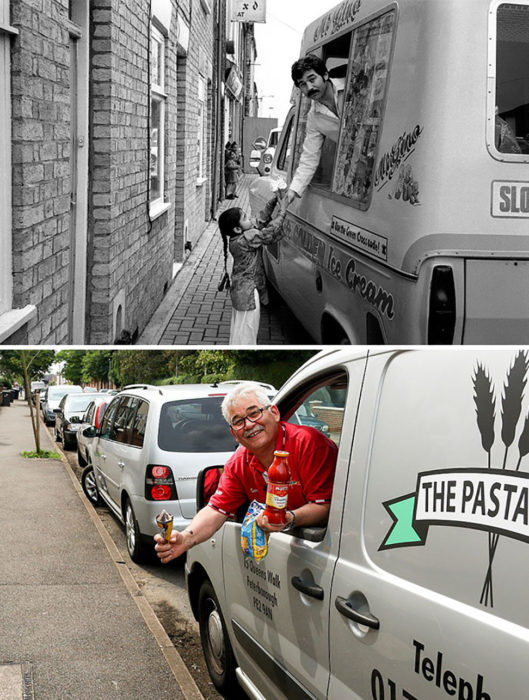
(194, 425)
(78, 403)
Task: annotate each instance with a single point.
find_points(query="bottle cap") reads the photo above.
(279, 453)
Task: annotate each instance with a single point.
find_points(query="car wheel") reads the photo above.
(89, 484)
(137, 550)
(80, 459)
(215, 641)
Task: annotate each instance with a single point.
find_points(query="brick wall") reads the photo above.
(41, 172)
(128, 256)
(194, 201)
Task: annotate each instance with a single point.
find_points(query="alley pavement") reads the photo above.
(194, 312)
(74, 623)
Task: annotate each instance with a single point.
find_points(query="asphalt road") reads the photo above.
(164, 588)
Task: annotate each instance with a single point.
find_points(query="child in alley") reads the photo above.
(244, 238)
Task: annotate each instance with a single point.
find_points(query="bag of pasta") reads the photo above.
(254, 541)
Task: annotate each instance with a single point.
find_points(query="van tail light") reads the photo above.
(442, 315)
(159, 483)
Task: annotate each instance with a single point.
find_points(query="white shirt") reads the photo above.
(321, 123)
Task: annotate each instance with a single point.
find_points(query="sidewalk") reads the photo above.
(74, 624)
(193, 312)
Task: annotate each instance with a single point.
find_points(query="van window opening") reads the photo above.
(363, 109)
(286, 147)
(512, 79)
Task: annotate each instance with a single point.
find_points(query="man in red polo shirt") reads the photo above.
(257, 427)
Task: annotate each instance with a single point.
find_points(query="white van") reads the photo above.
(417, 588)
(414, 229)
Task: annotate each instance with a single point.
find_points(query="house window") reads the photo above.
(201, 129)
(158, 100)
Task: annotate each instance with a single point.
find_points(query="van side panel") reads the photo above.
(437, 530)
(440, 194)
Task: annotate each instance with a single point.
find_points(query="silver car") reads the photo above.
(153, 442)
(92, 416)
(54, 395)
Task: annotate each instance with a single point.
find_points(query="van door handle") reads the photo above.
(307, 588)
(363, 618)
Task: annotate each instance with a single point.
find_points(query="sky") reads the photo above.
(278, 46)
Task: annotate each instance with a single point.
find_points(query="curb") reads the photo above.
(183, 678)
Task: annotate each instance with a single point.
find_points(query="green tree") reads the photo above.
(270, 366)
(148, 366)
(73, 367)
(97, 366)
(28, 365)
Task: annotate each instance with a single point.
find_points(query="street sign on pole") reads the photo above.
(249, 11)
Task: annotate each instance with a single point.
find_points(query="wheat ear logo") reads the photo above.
(494, 498)
(511, 410)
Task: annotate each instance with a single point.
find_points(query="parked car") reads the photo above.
(152, 443)
(68, 418)
(92, 416)
(53, 399)
(420, 576)
(262, 159)
(35, 387)
(305, 416)
(43, 396)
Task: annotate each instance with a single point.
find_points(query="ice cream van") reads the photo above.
(415, 226)
(417, 588)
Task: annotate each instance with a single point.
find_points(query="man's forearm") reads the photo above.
(312, 514)
(205, 523)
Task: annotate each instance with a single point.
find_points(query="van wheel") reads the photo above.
(136, 549)
(89, 484)
(80, 459)
(215, 641)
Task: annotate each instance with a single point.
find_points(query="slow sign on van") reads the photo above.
(510, 199)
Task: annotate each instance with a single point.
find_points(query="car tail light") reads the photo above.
(442, 313)
(159, 483)
(100, 412)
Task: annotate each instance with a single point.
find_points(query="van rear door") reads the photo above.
(430, 586)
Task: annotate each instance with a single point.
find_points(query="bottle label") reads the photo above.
(277, 495)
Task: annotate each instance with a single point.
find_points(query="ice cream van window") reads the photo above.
(195, 425)
(363, 109)
(512, 79)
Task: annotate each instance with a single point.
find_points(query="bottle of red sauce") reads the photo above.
(277, 489)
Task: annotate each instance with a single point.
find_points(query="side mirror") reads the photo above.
(90, 432)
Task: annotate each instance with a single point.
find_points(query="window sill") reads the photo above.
(12, 320)
(201, 181)
(8, 29)
(157, 209)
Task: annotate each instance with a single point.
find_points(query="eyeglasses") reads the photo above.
(253, 416)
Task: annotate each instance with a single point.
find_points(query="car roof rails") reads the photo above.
(143, 386)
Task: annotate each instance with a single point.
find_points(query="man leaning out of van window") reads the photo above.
(257, 426)
(311, 77)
